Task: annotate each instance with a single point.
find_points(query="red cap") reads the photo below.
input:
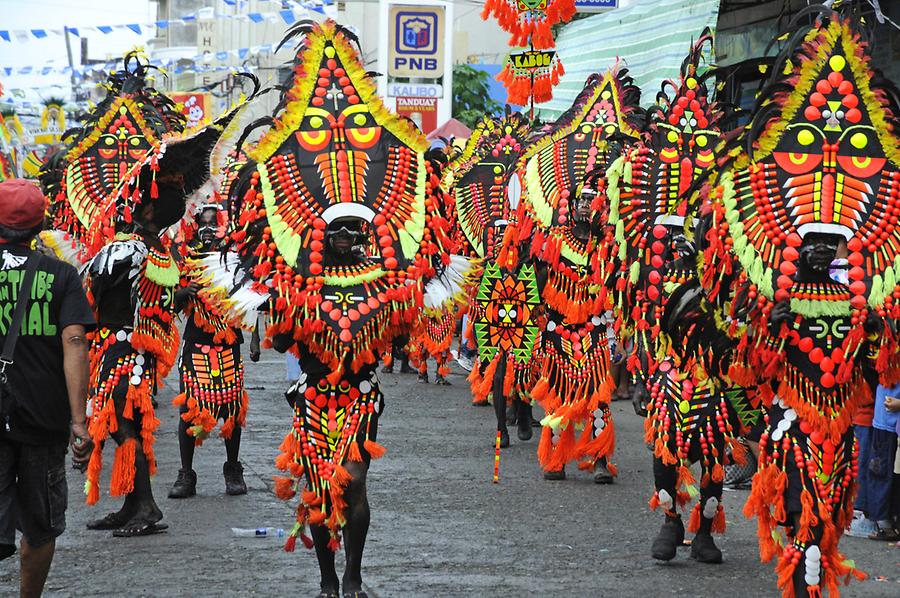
(22, 204)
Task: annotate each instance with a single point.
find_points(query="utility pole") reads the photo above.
(71, 64)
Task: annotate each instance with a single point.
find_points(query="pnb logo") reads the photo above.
(417, 33)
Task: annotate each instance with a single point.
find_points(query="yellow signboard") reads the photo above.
(416, 41)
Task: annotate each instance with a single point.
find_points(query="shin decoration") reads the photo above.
(816, 169)
(334, 155)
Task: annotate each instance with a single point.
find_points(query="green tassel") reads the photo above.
(756, 269)
(876, 294)
(692, 491)
(165, 276)
(890, 280)
(285, 239)
(349, 281)
(620, 236)
(634, 272)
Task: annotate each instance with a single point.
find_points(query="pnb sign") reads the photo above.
(416, 40)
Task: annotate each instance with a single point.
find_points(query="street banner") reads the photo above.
(422, 111)
(197, 106)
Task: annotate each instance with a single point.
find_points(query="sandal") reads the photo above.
(885, 534)
(139, 528)
(111, 521)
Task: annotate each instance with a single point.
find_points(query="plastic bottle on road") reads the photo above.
(258, 532)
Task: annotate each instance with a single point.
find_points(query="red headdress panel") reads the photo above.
(480, 178)
(334, 152)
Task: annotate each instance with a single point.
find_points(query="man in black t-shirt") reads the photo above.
(48, 377)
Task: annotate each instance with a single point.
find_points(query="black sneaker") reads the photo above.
(185, 485)
(704, 550)
(602, 475)
(555, 476)
(234, 478)
(669, 538)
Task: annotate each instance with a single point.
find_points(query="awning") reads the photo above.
(449, 130)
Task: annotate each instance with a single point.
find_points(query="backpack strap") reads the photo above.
(15, 325)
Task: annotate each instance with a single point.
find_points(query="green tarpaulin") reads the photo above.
(652, 37)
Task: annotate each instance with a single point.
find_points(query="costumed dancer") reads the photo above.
(336, 174)
(815, 172)
(131, 274)
(211, 366)
(560, 225)
(120, 132)
(689, 415)
(434, 335)
(503, 310)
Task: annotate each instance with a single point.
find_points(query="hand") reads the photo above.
(254, 350)
(639, 399)
(892, 404)
(82, 446)
(780, 313)
(189, 291)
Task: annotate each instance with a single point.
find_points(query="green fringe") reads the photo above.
(349, 281)
(166, 276)
(814, 308)
(634, 272)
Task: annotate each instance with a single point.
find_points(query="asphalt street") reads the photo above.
(439, 526)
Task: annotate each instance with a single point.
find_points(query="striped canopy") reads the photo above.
(652, 37)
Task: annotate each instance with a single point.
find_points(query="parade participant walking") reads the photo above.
(690, 416)
(211, 367)
(576, 381)
(504, 335)
(132, 275)
(337, 230)
(814, 172)
(43, 384)
(561, 228)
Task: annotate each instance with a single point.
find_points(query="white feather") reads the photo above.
(446, 288)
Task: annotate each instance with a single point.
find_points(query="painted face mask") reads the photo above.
(580, 142)
(339, 153)
(824, 160)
